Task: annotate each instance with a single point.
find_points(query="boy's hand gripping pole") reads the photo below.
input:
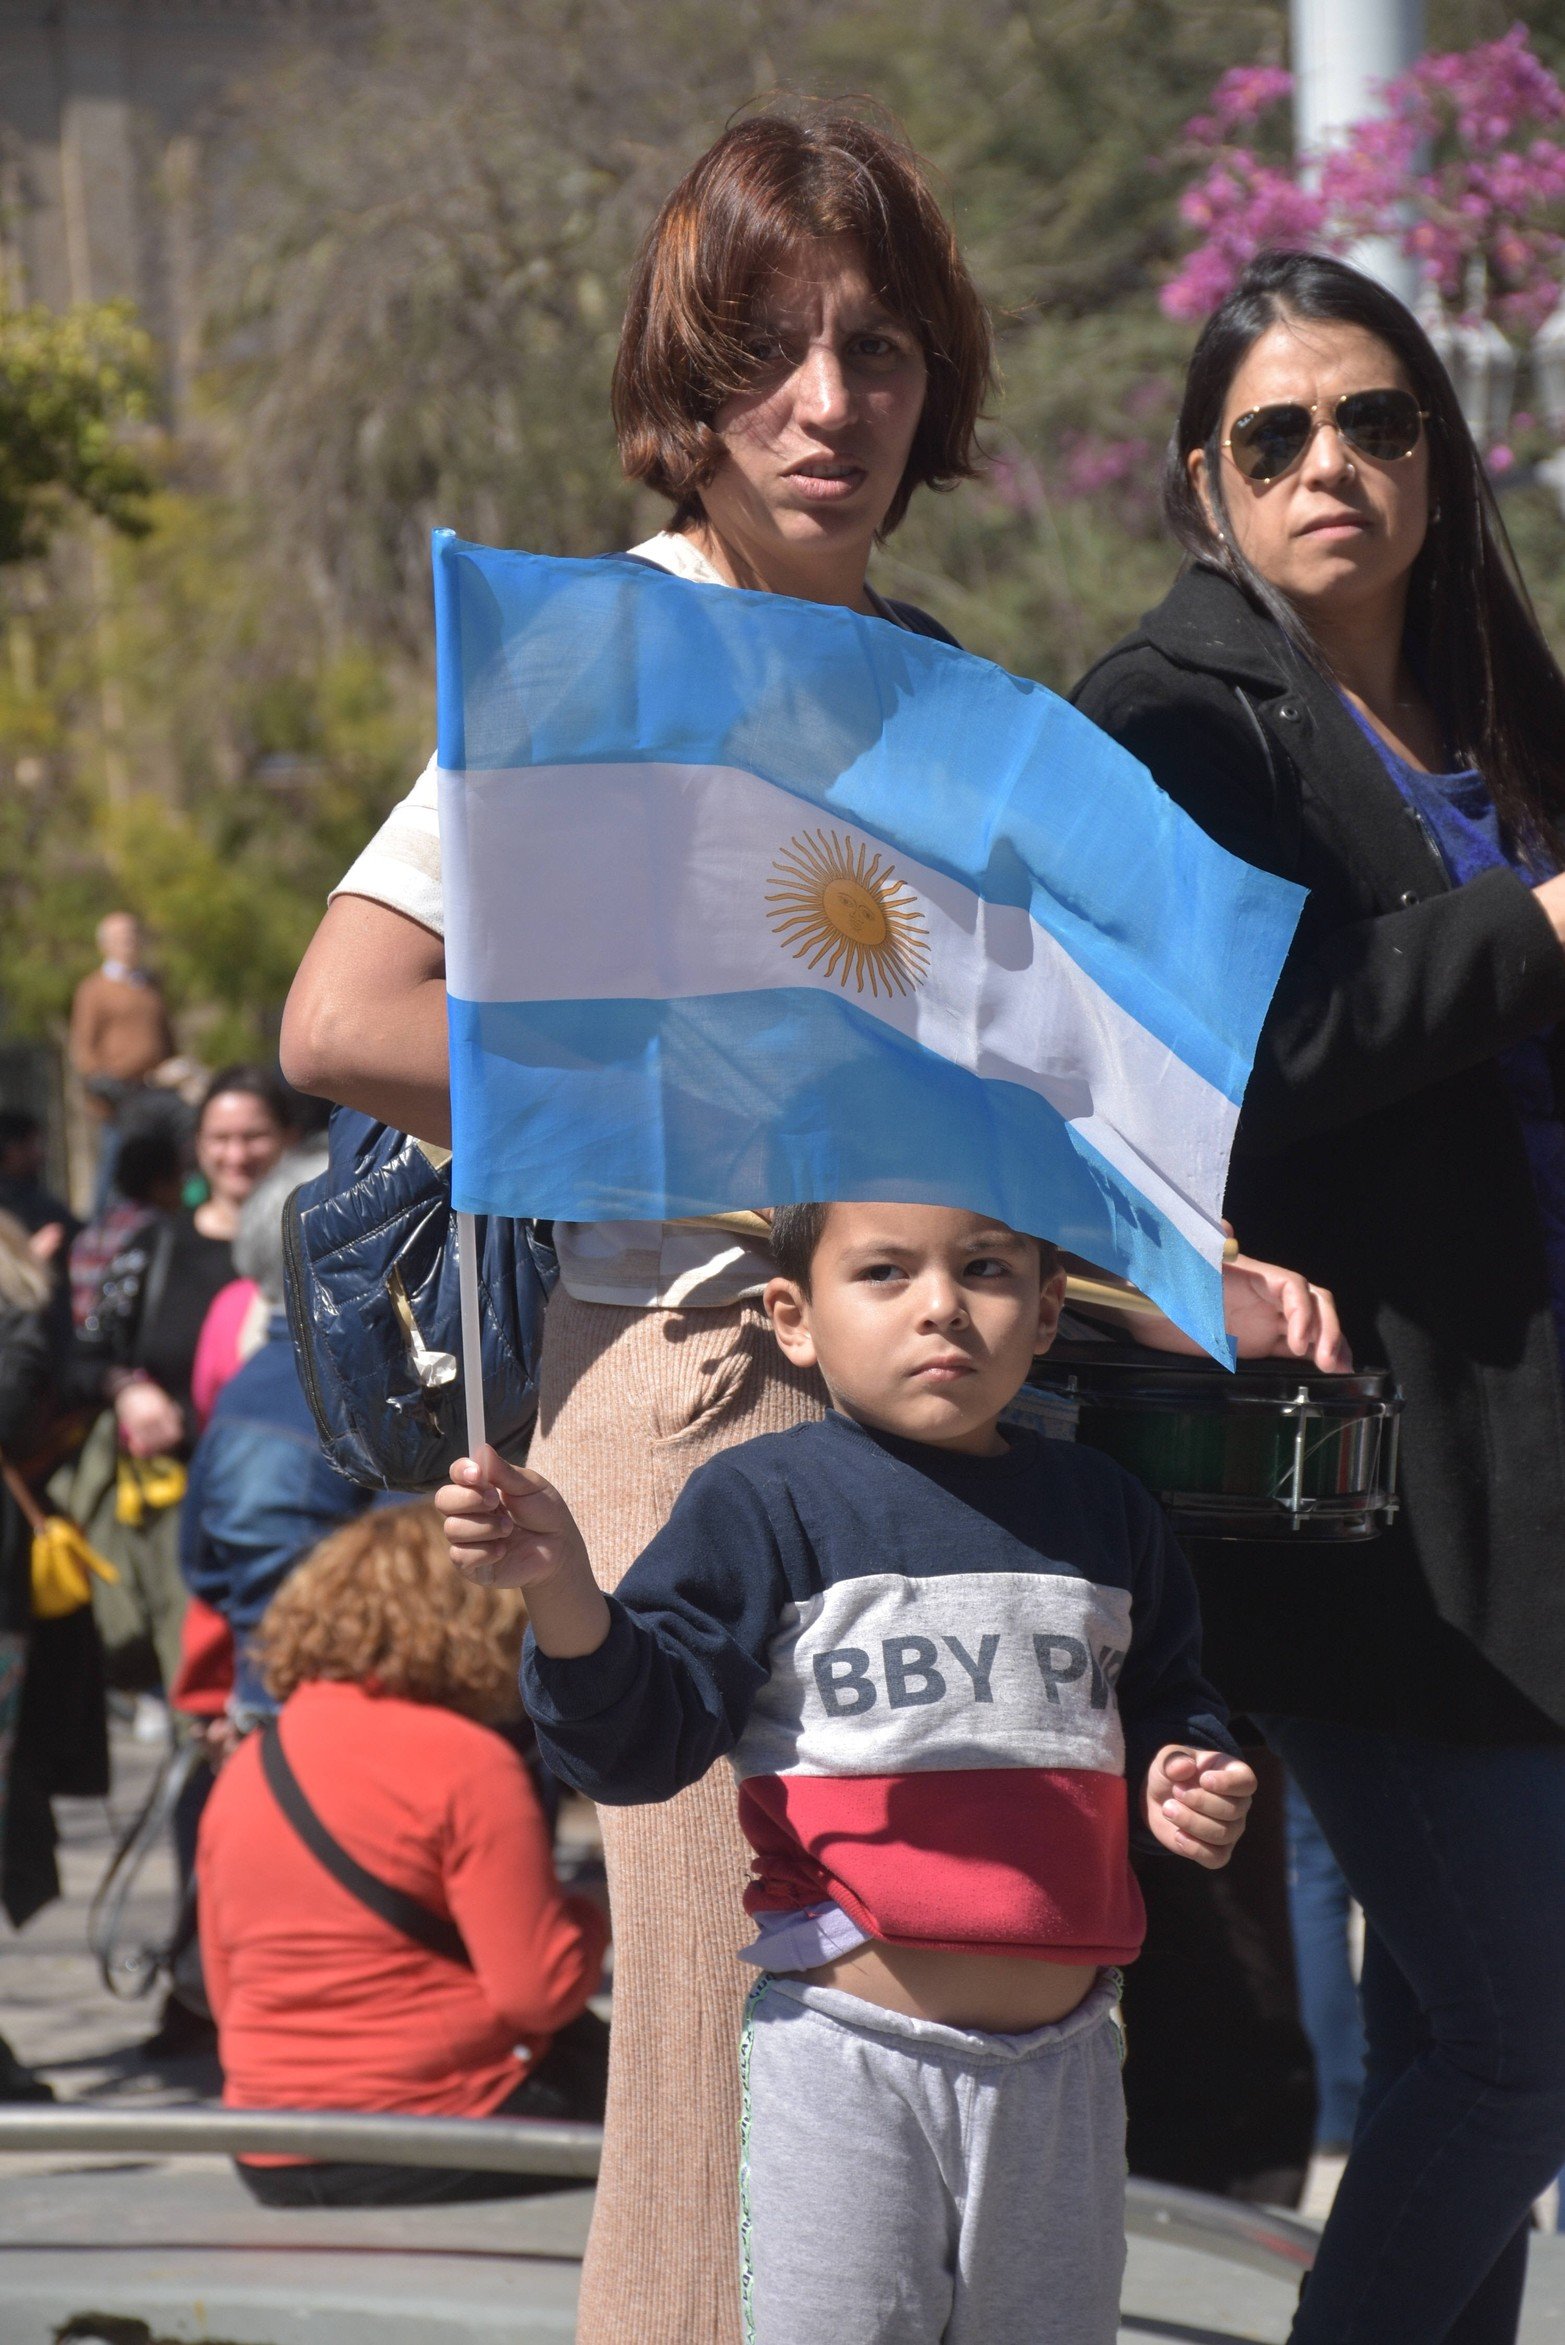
(472, 1345)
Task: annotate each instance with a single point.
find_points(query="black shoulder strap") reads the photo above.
(910, 616)
(404, 1913)
(160, 1257)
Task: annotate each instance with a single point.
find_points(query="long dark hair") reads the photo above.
(1472, 632)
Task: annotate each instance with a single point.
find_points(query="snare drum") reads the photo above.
(1271, 1452)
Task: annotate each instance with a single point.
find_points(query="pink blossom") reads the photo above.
(1459, 167)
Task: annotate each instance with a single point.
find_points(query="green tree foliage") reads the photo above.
(427, 322)
(249, 759)
(69, 385)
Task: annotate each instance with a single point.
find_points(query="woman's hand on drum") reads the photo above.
(1276, 1314)
(1197, 1802)
(1271, 1313)
(509, 1528)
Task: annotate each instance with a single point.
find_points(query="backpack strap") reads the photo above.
(404, 1913)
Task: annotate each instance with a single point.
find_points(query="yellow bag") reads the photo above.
(62, 1560)
(146, 1485)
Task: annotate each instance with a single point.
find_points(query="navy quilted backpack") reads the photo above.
(370, 1256)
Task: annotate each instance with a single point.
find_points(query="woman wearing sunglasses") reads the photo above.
(1347, 685)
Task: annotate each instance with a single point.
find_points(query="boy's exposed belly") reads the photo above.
(1003, 1994)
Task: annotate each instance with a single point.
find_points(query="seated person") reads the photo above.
(951, 1662)
(392, 1673)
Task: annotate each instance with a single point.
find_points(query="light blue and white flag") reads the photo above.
(751, 901)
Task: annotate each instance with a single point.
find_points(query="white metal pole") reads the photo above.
(472, 1345)
(1342, 51)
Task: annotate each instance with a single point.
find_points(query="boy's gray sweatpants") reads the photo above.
(903, 2183)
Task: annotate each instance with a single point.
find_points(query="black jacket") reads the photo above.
(61, 1745)
(1380, 1152)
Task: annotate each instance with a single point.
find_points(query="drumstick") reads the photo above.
(1108, 1294)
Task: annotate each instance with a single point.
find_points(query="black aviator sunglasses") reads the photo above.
(1382, 425)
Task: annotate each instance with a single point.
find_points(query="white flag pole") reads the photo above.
(472, 1346)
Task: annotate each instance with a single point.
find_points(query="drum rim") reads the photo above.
(1197, 1383)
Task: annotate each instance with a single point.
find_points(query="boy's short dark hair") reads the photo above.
(797, 1231)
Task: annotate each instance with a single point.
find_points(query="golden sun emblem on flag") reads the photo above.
(843, 907)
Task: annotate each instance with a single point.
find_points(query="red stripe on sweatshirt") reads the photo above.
(999, 1860)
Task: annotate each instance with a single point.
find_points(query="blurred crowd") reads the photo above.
(173, 1542)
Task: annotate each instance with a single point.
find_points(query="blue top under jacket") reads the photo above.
(1462, 823)
(260, 1497)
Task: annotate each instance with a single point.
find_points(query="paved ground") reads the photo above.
(54, 2008)
(184, 2248)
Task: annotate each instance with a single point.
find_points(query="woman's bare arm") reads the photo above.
(365, 1023)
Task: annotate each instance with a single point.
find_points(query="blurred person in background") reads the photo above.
(393, 1673)
(47, 1219)
(120, 1034)
(260, 1495)
(141, 1341)
(53, 1733)
(148, 1180)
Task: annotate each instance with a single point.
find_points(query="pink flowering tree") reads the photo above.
(1466, 165)
(1464, 169)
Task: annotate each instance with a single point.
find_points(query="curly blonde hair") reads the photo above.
(381, 1603)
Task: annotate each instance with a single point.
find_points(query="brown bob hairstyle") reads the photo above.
(770, 184)
(380, 1603)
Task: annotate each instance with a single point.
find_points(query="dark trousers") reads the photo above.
(568, 2083)
(1457, 1855)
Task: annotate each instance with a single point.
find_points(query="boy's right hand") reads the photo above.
(506, 1526)
(509, 1528)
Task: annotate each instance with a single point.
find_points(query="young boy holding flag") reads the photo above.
(949, 1661)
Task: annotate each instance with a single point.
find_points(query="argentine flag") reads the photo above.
(751, 901)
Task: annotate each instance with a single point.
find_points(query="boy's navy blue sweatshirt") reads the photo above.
(933, 1672)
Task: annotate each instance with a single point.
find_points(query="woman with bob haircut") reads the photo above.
(392, 1673)
(803, 349)
(1347, 685)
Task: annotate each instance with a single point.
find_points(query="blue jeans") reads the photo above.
(1318, 1911)
(1457, 1856)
